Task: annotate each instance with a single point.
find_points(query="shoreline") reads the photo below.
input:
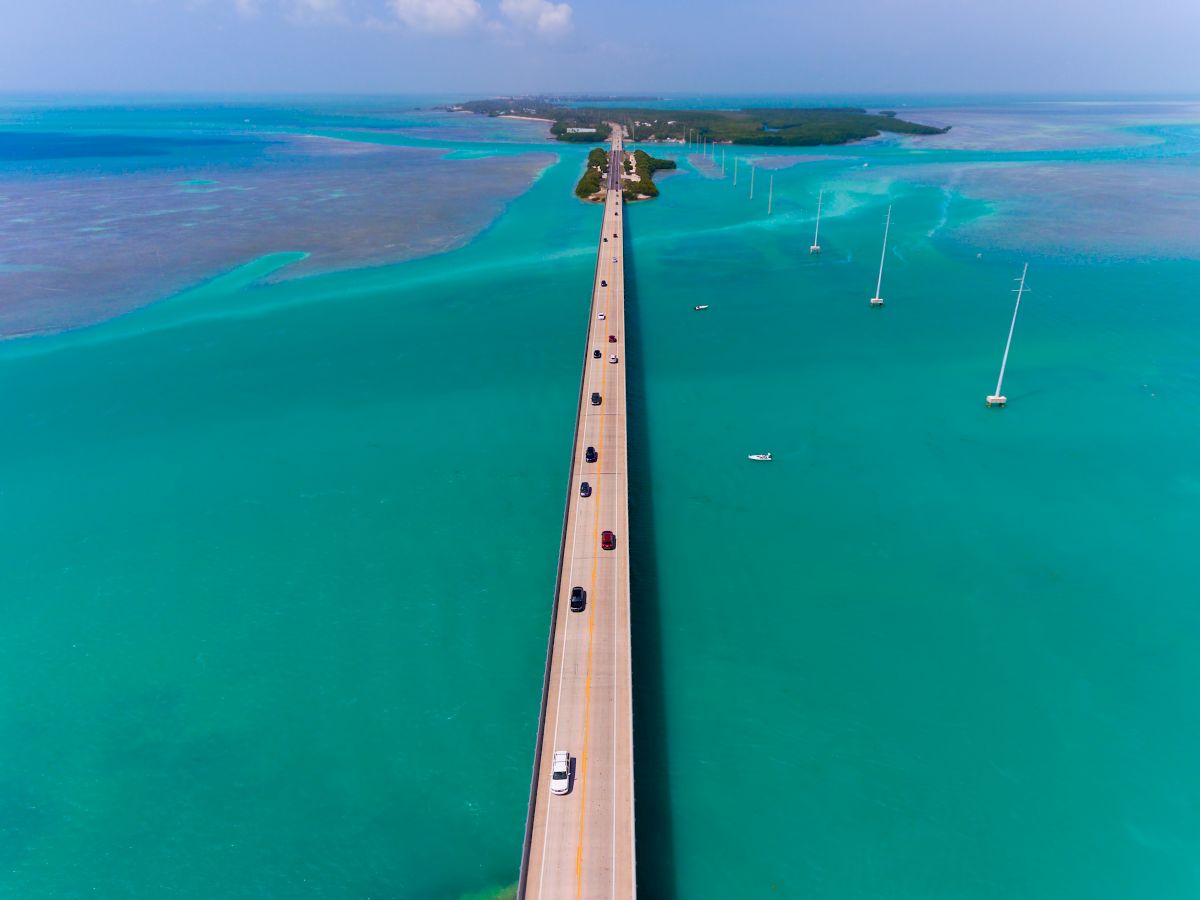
(522, 118)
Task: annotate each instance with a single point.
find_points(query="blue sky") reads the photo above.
(493, 46)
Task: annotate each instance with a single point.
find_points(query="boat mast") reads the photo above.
(752, 167)
(816, 244)
(722, 162)
(770, 192)
(877, 300)
(998, 399)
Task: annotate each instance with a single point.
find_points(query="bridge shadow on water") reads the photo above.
(652, 771)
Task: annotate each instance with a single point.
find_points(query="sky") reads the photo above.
(485, 47)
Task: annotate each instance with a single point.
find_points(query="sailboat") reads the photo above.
(998, 399)
(877, 300)
(816, 244)
(760, 457)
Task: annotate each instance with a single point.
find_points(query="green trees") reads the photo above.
(646, 166)
(807, 126)
(593, 176)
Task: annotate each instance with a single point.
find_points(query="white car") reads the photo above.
(600, 316)
(614, 259)
(612, 359)
(560, 772)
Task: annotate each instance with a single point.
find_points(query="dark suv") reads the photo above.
(578, 599)
(585, 489)
(595, 398)
(591, 455)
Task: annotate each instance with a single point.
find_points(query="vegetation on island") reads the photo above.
(578, 130)
(639, 163)
(783, 127)
(645, 166)
(594, 175)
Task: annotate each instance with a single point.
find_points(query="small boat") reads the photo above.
(760, 457)
(703, 306)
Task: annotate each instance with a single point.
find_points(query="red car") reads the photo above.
(608, 540)
(612, 338)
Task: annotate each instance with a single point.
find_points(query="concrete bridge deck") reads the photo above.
(581, 845)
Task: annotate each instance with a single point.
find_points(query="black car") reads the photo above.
(614, 235)
(606, 239)
(603, 283)
(585, 489)
(591, 455)
(595, 398)
(578, 599)
(595, 354)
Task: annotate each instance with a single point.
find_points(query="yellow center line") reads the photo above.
(587, 685)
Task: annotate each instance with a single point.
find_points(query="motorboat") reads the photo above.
(702, 306)
(760, 457)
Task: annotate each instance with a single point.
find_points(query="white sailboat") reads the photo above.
(816, 244)
(998, 399)
(877, 300)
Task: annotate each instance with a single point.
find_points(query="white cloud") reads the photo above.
(540, 15)
(437, 15)
(247, 9)
(318, 7)
(314, 11)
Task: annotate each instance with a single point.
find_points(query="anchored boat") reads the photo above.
(760, 457)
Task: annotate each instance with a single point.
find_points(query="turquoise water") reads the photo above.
(278, 553)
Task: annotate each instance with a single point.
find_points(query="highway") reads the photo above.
(581, 844)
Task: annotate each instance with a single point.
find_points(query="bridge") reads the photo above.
(581, 844)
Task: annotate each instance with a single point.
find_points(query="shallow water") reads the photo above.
(278, 552)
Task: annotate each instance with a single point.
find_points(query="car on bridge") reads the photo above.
(612, 338)
(595, 354)
(560, 772)
(608, 541)
(614, 259)
(578, 599)
(612, 359)
(591, 455)
(585, 489)
(603, 283)
(595, 398)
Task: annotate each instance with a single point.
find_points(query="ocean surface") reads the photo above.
(283, 469)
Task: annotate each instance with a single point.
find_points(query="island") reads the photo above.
(591, 185)
(765, 126)
(640, 168)
(637, 176)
